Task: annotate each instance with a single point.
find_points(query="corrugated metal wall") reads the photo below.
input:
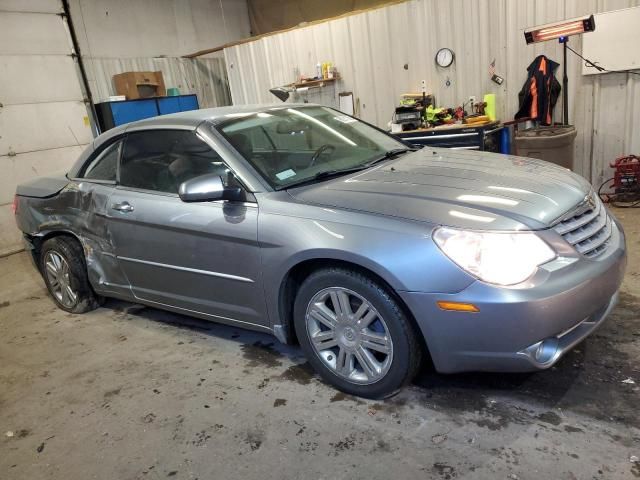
(206, 77)
(371, 49)
(151, 35)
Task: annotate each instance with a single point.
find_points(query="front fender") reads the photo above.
(400, 252)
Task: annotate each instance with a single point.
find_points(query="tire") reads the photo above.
(380, 358)
(54, 255)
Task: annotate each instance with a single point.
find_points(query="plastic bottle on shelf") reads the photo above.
(319, 71)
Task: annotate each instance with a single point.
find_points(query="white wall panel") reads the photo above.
(25, 79)
(20, 168)
(34, 6)
(42, 116)
(370, 50)
(31, 127)
(10, 236)
(29, 33)
(148, 28)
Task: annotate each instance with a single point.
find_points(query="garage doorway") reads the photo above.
(44, 124)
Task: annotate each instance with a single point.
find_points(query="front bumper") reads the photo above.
(522, 329)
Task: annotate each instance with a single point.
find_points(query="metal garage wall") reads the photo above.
(370, 50)
(206, 77)
(43, 120)
(117, 36)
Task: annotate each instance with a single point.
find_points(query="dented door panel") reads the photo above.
(79, 209)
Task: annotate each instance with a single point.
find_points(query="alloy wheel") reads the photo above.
(57, 271)
(349, 335)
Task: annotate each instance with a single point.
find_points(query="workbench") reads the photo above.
(457, 136)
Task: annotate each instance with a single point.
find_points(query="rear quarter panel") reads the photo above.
(78, 210)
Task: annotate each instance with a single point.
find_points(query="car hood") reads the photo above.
(456, 188)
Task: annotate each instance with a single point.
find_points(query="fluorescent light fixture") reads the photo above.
(561, 29)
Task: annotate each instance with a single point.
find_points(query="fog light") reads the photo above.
(546, 350)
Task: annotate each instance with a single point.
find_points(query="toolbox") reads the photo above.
(484, 137)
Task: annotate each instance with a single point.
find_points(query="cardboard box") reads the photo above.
(136, 85)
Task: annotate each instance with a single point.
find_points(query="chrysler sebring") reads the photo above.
(323, 230)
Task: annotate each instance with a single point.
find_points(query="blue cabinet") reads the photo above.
(188, 102)
(113, 114)
(169, 105)
(125, 112)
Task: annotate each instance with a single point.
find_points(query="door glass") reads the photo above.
(105, 165)
(160, 160)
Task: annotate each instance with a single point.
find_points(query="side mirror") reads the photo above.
(208, 188)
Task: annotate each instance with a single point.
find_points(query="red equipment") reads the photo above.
(627, 174)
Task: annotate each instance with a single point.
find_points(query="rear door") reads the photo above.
(90, 201)
(199, 257)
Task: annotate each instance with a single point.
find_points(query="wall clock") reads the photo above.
(444, 57)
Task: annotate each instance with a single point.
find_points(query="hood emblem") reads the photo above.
(590, 201)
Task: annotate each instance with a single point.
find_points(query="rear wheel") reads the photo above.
(355, 334)
(65, 273)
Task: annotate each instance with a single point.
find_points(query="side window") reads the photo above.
(160, 160)
(105, 165)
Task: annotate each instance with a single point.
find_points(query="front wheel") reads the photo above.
(355, 334)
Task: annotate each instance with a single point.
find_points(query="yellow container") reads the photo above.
(490, 109)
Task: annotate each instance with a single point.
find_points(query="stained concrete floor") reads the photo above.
(123, 393)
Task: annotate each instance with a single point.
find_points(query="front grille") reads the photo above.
(588, 228)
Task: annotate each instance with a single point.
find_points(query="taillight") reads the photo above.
(14, 205)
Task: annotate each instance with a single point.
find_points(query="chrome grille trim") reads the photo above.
(587, 228)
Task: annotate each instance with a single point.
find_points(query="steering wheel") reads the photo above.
(320, 151)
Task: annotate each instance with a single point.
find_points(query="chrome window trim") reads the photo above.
(91, 180)
(119, 187)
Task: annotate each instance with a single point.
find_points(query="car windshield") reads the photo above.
(290, 146)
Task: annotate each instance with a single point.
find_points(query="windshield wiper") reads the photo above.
(343, 171)
(325, 175)
(389, 154)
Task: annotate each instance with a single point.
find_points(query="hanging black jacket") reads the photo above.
(540, 92)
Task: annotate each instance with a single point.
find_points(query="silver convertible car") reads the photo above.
(325, 231)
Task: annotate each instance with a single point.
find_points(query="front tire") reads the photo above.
(64, 271)
(355, 334)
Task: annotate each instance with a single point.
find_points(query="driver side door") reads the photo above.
(200, 258)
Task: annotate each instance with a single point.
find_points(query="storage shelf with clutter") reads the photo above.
(417, 121)
(326, 75)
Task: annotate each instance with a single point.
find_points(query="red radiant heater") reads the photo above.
(562, 31)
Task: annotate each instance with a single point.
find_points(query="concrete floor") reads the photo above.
(125, 393)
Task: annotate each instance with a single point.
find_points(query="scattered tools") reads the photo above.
(479, 107)
(477, 119)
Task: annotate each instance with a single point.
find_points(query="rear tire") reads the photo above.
(355, 334)
(64, 270)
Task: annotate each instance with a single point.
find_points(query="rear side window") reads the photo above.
(160, 160)
(105, 165)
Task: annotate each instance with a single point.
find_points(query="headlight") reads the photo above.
(500, 258)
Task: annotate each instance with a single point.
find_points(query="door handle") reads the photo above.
(124, 207)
